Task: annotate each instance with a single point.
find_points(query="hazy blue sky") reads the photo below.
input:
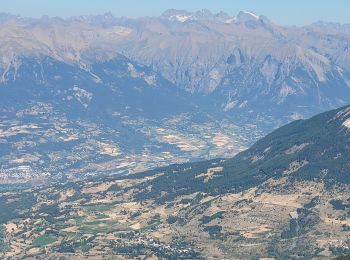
(289, 12)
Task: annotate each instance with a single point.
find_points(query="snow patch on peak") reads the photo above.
(247, 16)
(182, 18)
(177, 15)
(252, 15)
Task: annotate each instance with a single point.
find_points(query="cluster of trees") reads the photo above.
(3, 242)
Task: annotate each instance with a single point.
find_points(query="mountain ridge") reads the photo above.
(247, 57)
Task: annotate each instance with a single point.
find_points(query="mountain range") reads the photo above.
(245, 61)
(89, 95)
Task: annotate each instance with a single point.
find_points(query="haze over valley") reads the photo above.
(158, 90)
(187, 135)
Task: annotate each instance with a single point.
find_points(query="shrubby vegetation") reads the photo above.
(339, 204)
(214, 231)
(3, 243)
(44, 240)
(217, 215)
(21, 201)
(303, 223)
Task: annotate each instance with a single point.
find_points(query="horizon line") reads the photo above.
(160, 15)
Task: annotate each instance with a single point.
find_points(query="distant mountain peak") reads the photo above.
(200, 15)
(176, 15)
(244, 16)
(204, 12)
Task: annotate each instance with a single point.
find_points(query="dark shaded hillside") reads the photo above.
(313, 149)
(93, 92)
